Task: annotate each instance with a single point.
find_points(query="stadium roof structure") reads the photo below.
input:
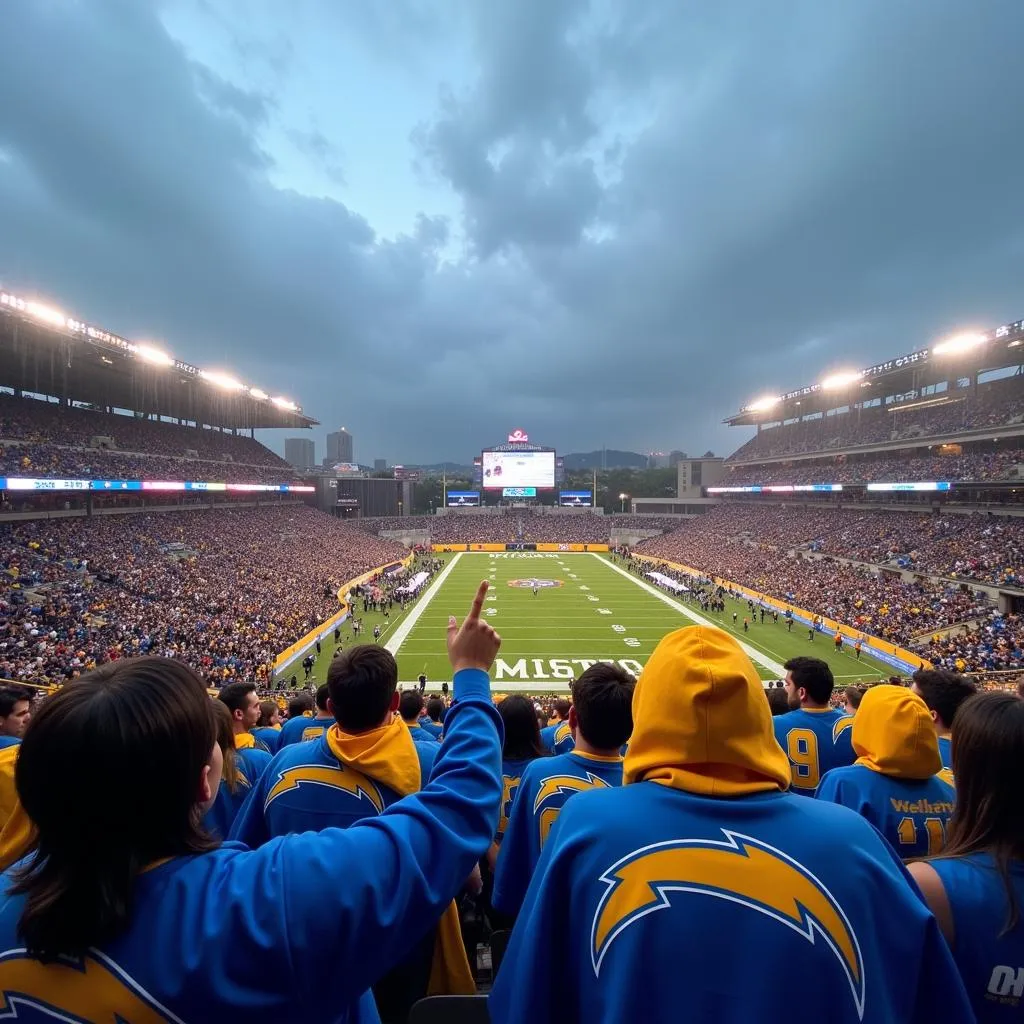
(44, 351)
(958, 356)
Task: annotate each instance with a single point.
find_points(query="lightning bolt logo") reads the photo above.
(93, 990)
(554, 791)
(563, 733)
(740, 869)
(338, 776)
(841, 726)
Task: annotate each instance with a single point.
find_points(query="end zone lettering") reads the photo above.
(555, 669)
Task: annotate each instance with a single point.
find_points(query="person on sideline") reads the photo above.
(128, 910)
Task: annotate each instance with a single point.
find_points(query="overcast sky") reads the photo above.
(432, 221)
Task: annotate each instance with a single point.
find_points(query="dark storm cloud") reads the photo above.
(668, 208)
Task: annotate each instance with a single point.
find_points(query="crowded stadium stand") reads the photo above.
(497, 525)
(951, 413)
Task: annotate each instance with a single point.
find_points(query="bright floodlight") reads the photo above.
(284, 403)
(47, 314)
(153, 355)
(761, 404)
(256, 393)
(957, 344)
(840, 380)
(222, 380)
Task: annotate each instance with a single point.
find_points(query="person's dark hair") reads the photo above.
(435, 709)
(778, 701)
(11, 695)
(299, 705)
(226, 741)
(988, 749)
(814, 676)
(235, 695)
(522, 730)
(560, 709)
(323, 693)
(267, 709)
(143, 729)
(854, 694)
(603, 699)
(362, 683)
(410, 707)
(943, 691)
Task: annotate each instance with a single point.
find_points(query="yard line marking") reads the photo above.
(399, 635)
(752, 653)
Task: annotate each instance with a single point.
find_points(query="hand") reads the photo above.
(475, 644)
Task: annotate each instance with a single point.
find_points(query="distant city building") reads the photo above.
(379, 465)
(339, 446)
(300, 452)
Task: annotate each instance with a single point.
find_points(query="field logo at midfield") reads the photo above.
(530, 584)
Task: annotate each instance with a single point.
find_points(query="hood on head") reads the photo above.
(893, 734)
(701, 721)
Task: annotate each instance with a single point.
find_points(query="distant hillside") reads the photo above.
(610, 459)
(451, 468)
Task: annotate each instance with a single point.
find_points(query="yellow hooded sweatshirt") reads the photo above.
(701, 721)
(893, 734)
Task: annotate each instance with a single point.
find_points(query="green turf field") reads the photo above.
(589, 609)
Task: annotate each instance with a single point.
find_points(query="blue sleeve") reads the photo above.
(362, 896)
(526, 987)
(512, 869)
(250, 824)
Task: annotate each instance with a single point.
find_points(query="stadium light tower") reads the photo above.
(958, 344)
(837, 381)
(623, 498)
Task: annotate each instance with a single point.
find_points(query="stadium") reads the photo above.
(872, 523)
(879, 506)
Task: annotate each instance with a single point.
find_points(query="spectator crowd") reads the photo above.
(41, 439)
(993, 405)
(225, 591)
(771, 549)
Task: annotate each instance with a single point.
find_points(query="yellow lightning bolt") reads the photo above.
(564, 786)
(841, 726)
(340, 777)
(88, 991)
(742, 870)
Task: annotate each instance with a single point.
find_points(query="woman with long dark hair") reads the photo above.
(127, 909)
(975, 887)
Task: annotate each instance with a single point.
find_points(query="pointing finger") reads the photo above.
(478, 601)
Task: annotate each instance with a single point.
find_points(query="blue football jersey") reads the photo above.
(269, 737)
(306, 788)
(557, 738)
(221, 815)
(511, 773)
(301, 730)
(991, 959)
(544, 787)
(911, 813)
(815, 742)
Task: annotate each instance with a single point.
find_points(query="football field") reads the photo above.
(586, 608)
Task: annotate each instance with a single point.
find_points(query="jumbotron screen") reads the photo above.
(518, 469)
